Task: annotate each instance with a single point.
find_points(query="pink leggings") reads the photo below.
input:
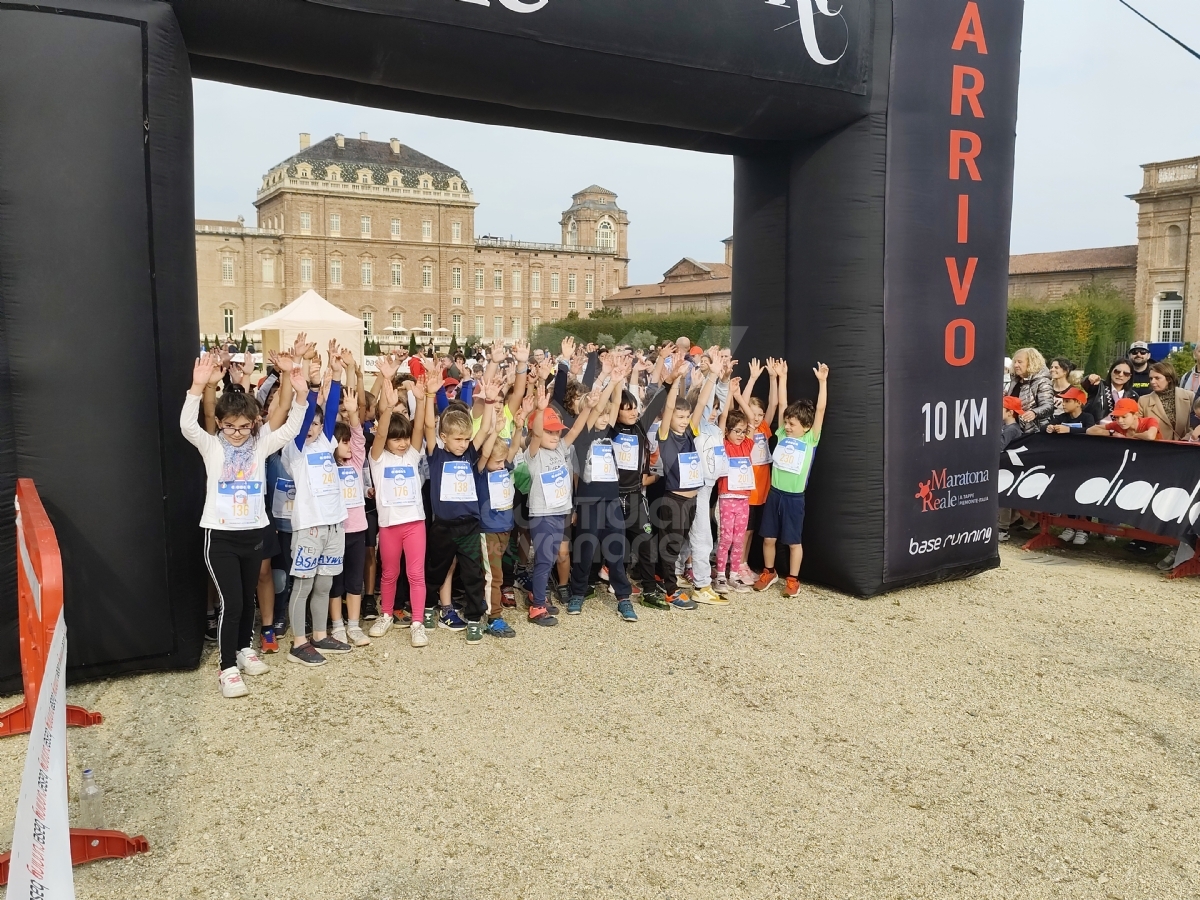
(735, 515)
(406, 540)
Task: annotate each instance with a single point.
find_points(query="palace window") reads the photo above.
(571, 283)
(588, 304)
(604, 236)
(515, 280)
(1176, 249)
(456, 301)
(498, 280)
(498, 327)
(455, 232)
(305, 223)
(368, 322)
(554, 304)
(572, 234)
(571, 304)
(397, 274)
(335, 224)
(306, 270)
(397, 321)
(367, 272)
(535, 322)
(395, 228)
(536, 303)
(364, 226)
(335, 271)
(479, 279)
(554, 282)
(479, 326)
(427, 230)
(268, 270)
(227, 315)
(535, 281)
(1170, 318)
(589, 283)
(427, 276)
(514, 328)
(498, 302)
(227, 269)
(427, 321)
(456, 325)
(456, 278)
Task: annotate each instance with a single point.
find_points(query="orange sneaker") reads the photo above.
(791, 587)
(766, 579)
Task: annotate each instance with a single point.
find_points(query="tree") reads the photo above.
(412, 345)
(606, 339)
(641, 339)
(572, 315)
(606, 312)
(453, 345)
(242, 343)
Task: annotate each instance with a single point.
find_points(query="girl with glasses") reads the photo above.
(733, 497)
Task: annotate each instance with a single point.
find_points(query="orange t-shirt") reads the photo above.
(762, 473)
(1142, 425)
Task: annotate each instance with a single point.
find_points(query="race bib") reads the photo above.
(625, 448)
(760, 453)
(352, 486)
(789, 454)
(458, 483)
(398, 488)
(720, 462)
(500, 490)
(604, 466)
(239, 502)
(690, 474)
(284, 499)
(322, 474)
(556, 487)
(741, 474)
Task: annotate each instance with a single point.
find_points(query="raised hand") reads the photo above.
(387, 367)
(202, 370)
(335, 359)
(390, 395)
(497, 352)
(543, 399)
(300, 345)
(314, 371)
(781, 368)
(568, 347)
(273, 359)
(295, 374)
(520, 351)
(755, 369)
(348, 359)
(491, 389)
(735, 386)
(527, 405)
(821, 371)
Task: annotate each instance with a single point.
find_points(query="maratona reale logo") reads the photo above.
(941, 491)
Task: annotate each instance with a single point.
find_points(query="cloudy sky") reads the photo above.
(1101, 93)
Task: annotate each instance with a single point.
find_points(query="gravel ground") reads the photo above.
(1027, 733)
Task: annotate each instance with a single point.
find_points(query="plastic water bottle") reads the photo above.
(91, 802)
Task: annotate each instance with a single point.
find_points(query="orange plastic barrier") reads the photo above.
(39, 604)
(1045, 538)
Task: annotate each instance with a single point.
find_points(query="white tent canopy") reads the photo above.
(319, 319)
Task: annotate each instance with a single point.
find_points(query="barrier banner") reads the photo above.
(951, 143)
(40, 865)
(1151, 485)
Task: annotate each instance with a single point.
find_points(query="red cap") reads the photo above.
(1074, 394)
(450, 382)
(1013, 404)
(550, 420)
(1126, 407)
(695, 351)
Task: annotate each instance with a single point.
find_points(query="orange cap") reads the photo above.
(1013, 404)
(1126, 407)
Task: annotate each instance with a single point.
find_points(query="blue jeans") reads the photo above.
(601, 525)
(545, 533)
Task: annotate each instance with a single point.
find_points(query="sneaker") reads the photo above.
(381, 626)
(540, 615)
(417, 635)
(1081, 538)
(550, 607)
(1067, 535)
(709, 597)
(1167, 562)
(279, 626)
(210, 631)
(655, 599)
(791, 587)
(765, 580)
(330, 644)
(306, 655)
(635, 591)
(625, 611)
(501, 629)
(450, 618)
(339, 634)
(508, 597)
(721, 584)
(686, 577)
(574, 606)
(564, 594)
(231, 683)
(1003, 535)
(357, 638)
(1110, 538)
(248, 662)
(604, 573)
(746, 576)
(370, 608)
(474, 632)
(269, 643)
(680, 600)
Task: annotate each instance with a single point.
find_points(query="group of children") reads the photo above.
(458, 490)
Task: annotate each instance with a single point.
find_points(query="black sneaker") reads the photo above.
(210, 630)
(330, 644)
(370, 608)
(306, 655)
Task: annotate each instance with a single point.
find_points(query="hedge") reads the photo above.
(1087, 326)
(639, 331)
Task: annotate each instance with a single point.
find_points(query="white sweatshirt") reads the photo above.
(239, 504)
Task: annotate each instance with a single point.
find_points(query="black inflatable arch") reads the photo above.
(873, 184)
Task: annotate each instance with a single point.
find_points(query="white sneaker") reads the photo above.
(357, 638)
(419, 637)
(248, 662)
(231, 682)
(339, 634)
(1067, 535)
(1081, 538)
(380, 626)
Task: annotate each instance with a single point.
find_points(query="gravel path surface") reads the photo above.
(1031, 732)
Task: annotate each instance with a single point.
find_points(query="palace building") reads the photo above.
(388, 234)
